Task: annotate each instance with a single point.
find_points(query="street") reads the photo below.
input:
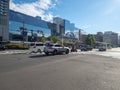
(59, 72)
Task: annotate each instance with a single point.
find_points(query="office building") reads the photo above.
(111, 38)
(69, 27)
(99, 37)
(27, 28)
(64, 27)
(60, 25)
(53, 28)
(4, 20)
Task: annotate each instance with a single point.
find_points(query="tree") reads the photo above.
(54, 39)
(43, 39)
(90, 39)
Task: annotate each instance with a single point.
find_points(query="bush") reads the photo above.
(16, 46)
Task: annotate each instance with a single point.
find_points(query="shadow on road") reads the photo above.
(43, 55)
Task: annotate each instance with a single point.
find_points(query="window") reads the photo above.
(57, 45)
(39, 44)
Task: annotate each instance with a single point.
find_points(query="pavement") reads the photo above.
(14, 52)
(59, 72)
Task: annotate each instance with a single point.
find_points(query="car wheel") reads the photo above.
(67, 51)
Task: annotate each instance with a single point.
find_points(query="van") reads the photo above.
(37, 47)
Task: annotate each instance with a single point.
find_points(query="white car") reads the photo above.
(55, 48)
(37, 47)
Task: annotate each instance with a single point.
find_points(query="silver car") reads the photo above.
(55, 49)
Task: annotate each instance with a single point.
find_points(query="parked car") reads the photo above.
(37, 47)
(55, 49)
(86, 48)
(2, 47)
(102, 48)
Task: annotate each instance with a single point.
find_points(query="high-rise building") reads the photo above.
(53, 28)
(60, 25)
(111, 38)
(4, 20)
(64, 26)
(69, 27)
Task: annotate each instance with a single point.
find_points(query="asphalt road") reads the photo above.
(60, 72)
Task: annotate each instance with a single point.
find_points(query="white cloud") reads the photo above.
(86, 26)
(39, 8)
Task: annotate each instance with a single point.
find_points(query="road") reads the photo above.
(59, 72)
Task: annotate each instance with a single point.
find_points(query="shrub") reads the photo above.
(16, 46)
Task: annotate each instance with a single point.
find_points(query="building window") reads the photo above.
(3, 7)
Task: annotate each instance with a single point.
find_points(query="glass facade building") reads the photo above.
(69, 26)
(64, 27)
(32, 26)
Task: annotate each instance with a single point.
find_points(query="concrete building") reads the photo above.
(119, 39)
(111, 38)
(4, 20)
(99, 37)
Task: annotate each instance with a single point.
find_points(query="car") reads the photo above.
(86, 48)
(2, 47)
(37, 47)
(83, 48)
(102, 49)
(55, 49)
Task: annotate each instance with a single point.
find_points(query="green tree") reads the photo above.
(43, 39)
(90, 39)
(54, 39)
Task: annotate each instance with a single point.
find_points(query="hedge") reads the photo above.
(16, 46)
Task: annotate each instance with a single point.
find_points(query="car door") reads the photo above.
(61, 48)
(57, 46)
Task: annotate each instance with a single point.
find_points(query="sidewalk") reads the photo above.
(14, 51)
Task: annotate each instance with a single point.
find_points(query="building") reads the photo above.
(53, 28)
(111, 38)
(60, 25)
(26, 28)
(119, 39)
(99, 37)
(4, 20)
(64, 27)
(69, 27)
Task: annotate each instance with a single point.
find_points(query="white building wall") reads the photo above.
(111, 38)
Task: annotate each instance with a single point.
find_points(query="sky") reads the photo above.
(89, 15)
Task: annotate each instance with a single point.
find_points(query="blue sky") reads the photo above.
(90, 15)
